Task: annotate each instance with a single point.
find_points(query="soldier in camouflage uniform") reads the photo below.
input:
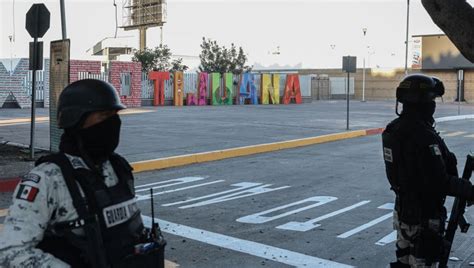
(77, 208)
(422, 172)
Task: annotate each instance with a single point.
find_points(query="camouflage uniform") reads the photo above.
(39, 201)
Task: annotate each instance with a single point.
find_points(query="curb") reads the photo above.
(8, 185)
(182, 160)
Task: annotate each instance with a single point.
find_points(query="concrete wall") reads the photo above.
(381, 85)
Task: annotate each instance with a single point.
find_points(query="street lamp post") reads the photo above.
(364, 30)
(406, 39)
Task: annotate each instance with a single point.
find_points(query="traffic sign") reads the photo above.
(37, 20)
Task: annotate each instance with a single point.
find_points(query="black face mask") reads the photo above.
(101, 140)
(423, 111)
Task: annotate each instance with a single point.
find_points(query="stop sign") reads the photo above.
(37, 20)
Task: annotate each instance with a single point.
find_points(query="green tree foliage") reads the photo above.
(158, 59)
(219, 59)
(177, 65)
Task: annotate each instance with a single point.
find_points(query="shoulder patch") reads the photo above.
(31, 177)
(26, 192)
(434, 148)
(387, 154)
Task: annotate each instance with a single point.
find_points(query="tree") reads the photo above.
(146, 57)
(177, 65)
(456, 19)
(158, 59)
(219, 59)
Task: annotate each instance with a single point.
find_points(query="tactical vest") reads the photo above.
(109, 223)
(403, 173)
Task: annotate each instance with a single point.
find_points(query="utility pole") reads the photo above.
(406, 40)
(364, 30)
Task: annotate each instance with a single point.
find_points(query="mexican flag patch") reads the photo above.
(27, 193)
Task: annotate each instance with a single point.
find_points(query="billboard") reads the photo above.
(437, 52)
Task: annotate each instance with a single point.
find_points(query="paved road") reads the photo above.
(322, 204)
(326, 204)
(168, 131)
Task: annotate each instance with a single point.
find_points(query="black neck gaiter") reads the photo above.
(422, 111)
(98, 141)
(101, 140)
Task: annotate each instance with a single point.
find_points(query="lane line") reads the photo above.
(183, 179)
(259, 218)
(469, 136)
(170, 264)
(245, 246)
(146, 197)
(365, 226)
(177, 182)
(453, 118)
(454, 134)
(311, 224)
(241, 186)
(387, 239)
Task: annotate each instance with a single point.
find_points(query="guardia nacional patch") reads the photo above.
(31, 177)
(434, 148)
(387, 154)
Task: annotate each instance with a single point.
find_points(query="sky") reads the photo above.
(309, 34)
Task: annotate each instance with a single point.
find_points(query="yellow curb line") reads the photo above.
(14, 121)
(23, 120)
(182, 160)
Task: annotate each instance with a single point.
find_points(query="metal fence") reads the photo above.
(104, 76)
(39, 84)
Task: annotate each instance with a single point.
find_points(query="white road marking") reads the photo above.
(3, 212)
(146, 197)
(454, 134)
(258, 218)
(241, 186)
(452, 118)
(365, 226)
(469, 136)
(387, 239)
(244, 193)
(173, 183)
(245, 246)
(311, 224)
(388, 206)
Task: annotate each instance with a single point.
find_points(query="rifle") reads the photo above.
(457, 215)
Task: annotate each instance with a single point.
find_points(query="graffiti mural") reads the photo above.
(158, 79)
(270, 88)
(292, 89)
(202, 88)
(247, 89)
(178, 89)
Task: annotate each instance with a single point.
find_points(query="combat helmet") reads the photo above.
(419, 88)
(85, 96)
